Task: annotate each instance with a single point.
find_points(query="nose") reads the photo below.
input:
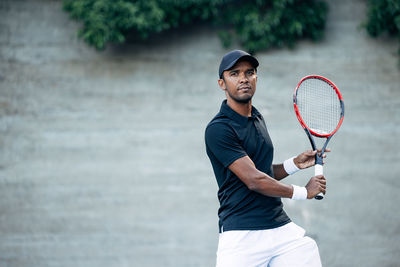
(243, 77)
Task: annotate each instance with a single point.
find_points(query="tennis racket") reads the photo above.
(319, 108)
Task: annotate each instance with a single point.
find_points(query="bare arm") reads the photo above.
(258, 181)
(279, 171)
(302, 161)
(262, 183)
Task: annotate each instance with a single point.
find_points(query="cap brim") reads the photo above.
(253, 61)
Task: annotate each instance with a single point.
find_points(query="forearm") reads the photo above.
(279, 171)
(289, 166)
(259, 181)
(266, 185)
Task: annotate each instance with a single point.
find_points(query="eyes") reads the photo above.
(235, 73)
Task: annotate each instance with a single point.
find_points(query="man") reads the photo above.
(254, 229)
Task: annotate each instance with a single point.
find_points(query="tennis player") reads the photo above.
(254, 228)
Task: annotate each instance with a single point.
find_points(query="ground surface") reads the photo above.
(102, 159)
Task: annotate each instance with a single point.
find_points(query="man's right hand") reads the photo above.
(316, 185)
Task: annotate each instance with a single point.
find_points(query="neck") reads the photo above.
(243, 109)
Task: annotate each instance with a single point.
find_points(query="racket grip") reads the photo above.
(319, 170)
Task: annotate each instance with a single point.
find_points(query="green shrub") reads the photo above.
(264, 24)
(257, 24)
(384, 18)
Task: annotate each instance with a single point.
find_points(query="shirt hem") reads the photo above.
(252, 228)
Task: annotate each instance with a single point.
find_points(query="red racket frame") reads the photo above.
(296, 109)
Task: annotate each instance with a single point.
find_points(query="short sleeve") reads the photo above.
(223, 143)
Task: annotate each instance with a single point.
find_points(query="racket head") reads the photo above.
(318, 105)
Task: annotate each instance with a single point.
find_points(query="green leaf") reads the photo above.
(258, 24)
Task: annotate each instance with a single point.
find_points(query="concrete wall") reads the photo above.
(102, 160)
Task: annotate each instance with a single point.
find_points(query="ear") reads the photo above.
(221, 84)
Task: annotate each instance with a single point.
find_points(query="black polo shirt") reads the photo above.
(230, 136)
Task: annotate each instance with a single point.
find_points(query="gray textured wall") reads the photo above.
(102, 159)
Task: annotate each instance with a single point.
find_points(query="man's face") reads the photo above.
(239, 82)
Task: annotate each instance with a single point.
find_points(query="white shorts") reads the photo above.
(285, 246)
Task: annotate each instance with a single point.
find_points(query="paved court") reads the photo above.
(102, 159)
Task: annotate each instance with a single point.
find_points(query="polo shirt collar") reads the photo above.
(233, 115)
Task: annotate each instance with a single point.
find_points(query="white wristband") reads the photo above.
(289, 166)
(299, 193)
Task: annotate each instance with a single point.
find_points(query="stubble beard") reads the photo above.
(241, 100)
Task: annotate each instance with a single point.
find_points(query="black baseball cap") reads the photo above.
(230, 59)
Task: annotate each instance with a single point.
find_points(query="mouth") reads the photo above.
(244, 88)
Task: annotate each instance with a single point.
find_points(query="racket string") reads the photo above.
(319, 105)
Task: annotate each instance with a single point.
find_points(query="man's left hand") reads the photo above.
(307, 158)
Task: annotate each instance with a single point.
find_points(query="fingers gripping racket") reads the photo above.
(319, 108)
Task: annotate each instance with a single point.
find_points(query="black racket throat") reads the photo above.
(318, 156)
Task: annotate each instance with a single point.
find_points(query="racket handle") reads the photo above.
(319, 170)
